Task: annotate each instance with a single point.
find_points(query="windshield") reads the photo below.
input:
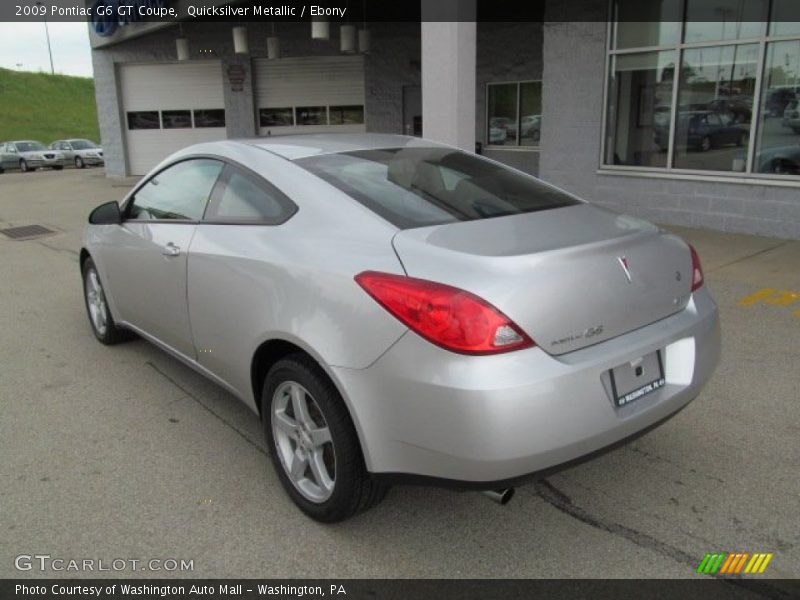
(82, 144)
(415, 187)
(29, 146)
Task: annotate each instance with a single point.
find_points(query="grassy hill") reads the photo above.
(44, 107)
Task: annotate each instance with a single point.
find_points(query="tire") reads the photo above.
(79, 164)
(350, 488)
(705, 144)
(23, 166)
(110, 334)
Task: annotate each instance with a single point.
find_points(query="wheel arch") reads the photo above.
(274, 349)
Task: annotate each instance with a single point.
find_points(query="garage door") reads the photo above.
(310, 94)
(168, 107)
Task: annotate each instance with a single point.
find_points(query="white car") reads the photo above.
(29, 155)
(80, 152)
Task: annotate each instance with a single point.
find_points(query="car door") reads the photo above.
(66, 149)
(145, 259)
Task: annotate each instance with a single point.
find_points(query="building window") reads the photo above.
(706, 86)
(176, 119)
(311, 115)
(346, 115)
(276, 117)
(144, 119)
(209, 117)
(514, 113)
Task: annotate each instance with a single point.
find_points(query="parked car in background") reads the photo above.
(739, 107)
(791, 116)
(80, 152)
(778, 98)
(531, 127)
(454, 321)
(784, 160)
(28, 155)
(506, 124)
(703, 130)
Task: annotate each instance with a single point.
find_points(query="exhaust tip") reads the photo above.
(502, 497)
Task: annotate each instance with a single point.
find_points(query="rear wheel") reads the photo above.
(79, 164)
(103, 325)
(313, 444)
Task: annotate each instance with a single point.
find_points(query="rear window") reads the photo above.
(416, 187)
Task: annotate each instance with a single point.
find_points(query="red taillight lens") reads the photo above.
(447, 316)
(697, 270)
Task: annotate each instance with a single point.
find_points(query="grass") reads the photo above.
(44, 107)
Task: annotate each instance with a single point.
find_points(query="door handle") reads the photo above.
(171, 250)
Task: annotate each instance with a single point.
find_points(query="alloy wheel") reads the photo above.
(96, 301)
(303, 442)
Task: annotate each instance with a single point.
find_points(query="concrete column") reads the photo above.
(237, 78)
(448, 72)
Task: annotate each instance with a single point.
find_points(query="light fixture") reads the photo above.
(363, 41)
(320, 29)
(347, 43)
(273, 44)
(182, 48)
(240, 40)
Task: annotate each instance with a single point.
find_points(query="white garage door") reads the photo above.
(168, 107)
(310, 94)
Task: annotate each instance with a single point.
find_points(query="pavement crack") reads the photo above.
(227, 423)
(563, 503)
(748, 257)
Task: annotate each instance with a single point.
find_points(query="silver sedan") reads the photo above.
(396, 310)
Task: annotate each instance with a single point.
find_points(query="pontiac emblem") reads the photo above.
(623, 262)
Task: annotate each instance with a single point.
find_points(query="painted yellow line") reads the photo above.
(765, 563)
(756, 296)
(785, 298)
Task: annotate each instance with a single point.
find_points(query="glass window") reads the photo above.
(503, 114)
(778, 149)
(178, 192)
(346, 115)
(640, 109)
(530, 113)
(785, 17)
(645, 24)
(715, 81)
(244, 199)
(276, 117)
(176, 119)
(415, 187)
(716, 20)
(144, 119)
(311, 115)
(209, 117)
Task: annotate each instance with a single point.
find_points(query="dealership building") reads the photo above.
(683, 112)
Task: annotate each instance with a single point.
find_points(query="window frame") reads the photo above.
(227, 163)
(210, 217)
(749, 175)
(516, 147)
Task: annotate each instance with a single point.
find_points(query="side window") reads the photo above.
(178, 192)
(244, 198)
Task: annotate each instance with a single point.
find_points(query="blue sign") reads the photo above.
(109, 15)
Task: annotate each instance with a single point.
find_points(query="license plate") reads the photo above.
(637, 378)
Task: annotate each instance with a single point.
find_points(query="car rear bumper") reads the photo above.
(424, 412)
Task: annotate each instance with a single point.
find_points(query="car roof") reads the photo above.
(294, 147)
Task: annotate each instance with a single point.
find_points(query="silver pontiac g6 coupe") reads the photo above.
(397, 310)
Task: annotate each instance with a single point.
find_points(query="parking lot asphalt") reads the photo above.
(123, 452)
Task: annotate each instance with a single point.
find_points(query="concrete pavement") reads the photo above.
(125, 453)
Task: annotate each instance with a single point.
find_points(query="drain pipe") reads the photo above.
(500, 496)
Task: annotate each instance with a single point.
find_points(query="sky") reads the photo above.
(25, 44)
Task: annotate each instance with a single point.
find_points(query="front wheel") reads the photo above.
(103, 325)
(705, 144)
(23, 166)
(313, 443)
(79, 164)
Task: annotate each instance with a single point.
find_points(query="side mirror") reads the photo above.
(106, 214)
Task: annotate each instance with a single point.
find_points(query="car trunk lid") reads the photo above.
(569, 277)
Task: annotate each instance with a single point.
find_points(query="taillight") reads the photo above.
(449, 317)
(697, 270)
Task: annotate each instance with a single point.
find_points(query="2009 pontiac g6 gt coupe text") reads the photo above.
(398, 310)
